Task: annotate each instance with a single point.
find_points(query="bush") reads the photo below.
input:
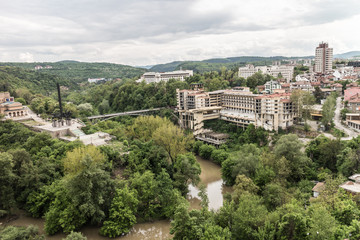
(205, 151)
(20, 233)
(196, 147)
(219, 155)
(75, 236)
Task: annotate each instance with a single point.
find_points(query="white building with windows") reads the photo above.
(284, 71)
(270, 86)
(156, 77)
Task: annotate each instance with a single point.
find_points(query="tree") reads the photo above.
(308, 101)
(303, 103)
(343, 113)
(206, 150)
(219, 155)
(172, 139)
(289, 147)
(122, 213)
(90, 189)
(186, 171)
(318, 94)
(7, 179)
(322, 224)
(243, 185)
(73, 162)
(148, 191)
(245, 161)
(328, 110)
(104, 106)
(274, 195)
(249, 216)
(85, 109)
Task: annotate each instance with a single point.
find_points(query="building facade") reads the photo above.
(9, 108)
(271, 86)
(285, 72)
(323, 58)
(239, 106)
(156, 77)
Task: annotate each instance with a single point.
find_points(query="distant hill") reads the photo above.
(215, 64)
(347, 55)
(166, 67)
(81, 71)
(12, 78)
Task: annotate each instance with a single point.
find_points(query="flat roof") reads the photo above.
(351, 186)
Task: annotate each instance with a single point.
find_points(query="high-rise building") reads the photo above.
(323, 58)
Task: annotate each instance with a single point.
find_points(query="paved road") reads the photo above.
(337, 121)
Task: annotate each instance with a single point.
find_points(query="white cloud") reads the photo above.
(26, 57)
(140, 32)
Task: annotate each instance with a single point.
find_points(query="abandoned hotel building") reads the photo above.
(238, 105)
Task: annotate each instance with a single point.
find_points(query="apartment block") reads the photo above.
(323, 58)
(156, 77)
(285, 71)
(239, 106)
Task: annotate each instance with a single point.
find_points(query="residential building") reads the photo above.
(239, 106)
(353, 186)
(354, 103)
(354, 63)
(270, 86)
(349, 92)
(97, 80)
(337, 87)
(9, 108)
(156, 77)
(353, 120)
(285, 71)
(303, 85)
(323, 58)
(318, 188)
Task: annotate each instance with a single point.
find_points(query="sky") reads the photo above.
(148, 32)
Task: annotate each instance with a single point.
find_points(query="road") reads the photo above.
(337, 121)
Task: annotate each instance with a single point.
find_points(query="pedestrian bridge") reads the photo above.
(129, 113)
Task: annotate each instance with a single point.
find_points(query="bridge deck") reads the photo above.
(123, 113)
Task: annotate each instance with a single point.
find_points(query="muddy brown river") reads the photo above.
(210, 176)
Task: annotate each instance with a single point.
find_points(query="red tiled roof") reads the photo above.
(348, 93)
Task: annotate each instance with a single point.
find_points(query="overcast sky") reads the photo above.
(146, 32)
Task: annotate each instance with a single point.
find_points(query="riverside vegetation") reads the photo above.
(144, 174)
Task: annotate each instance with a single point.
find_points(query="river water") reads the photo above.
(210, 176)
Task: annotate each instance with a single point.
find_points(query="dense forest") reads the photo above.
(14, 78)
(217, 63)
(81, 71)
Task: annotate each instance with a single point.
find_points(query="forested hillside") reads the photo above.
(81, 71)
(13, 78)
(216, 64)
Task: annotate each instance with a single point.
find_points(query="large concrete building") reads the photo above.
(155, 77)
(284, 71)
(323, 58)
(239, 106)
(9, 108)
